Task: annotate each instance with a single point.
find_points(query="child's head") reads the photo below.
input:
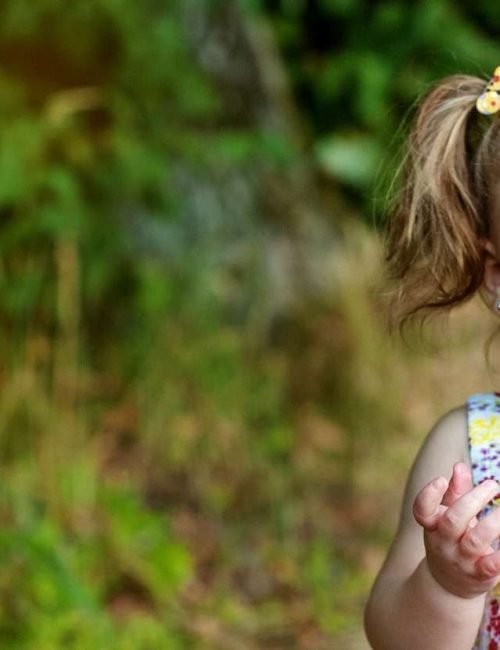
(443, 240)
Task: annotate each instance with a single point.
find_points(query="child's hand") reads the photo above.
(459, 548)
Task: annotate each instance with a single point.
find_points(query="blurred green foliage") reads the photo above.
(89, 123)
(358, 66)
(57, 580)
(171, 477)
(89, 133)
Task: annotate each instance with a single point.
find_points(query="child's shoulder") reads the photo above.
(448, 437)
(445, 444)
(453, 437)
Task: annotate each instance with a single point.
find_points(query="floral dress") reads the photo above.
(483, 416)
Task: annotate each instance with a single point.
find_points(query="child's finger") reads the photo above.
(478, 540)
(488, 566)
(427, 507)
(455, 521)
(460, 484)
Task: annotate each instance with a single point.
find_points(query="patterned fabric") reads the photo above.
(483, 415)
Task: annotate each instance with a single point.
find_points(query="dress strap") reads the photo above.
(483, 427)
(483, 420)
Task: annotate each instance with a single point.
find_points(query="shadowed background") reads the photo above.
(204, 425)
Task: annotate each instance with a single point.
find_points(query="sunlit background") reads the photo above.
(205, 427)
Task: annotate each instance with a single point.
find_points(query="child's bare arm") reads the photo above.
(430, 592)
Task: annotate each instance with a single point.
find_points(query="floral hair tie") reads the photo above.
(488, 102)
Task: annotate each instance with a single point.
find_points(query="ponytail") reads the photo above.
(434, 238)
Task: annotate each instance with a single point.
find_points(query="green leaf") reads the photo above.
(350, 157)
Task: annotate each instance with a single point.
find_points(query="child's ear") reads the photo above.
(490, 290)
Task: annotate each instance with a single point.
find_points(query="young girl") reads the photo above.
(439, 587)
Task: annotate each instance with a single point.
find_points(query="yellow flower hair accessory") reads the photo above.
(488, 102)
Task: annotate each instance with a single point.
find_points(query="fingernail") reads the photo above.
(439, 483)
(490, 484)
(491, 568)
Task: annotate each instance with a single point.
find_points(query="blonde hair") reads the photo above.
(436, 233)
